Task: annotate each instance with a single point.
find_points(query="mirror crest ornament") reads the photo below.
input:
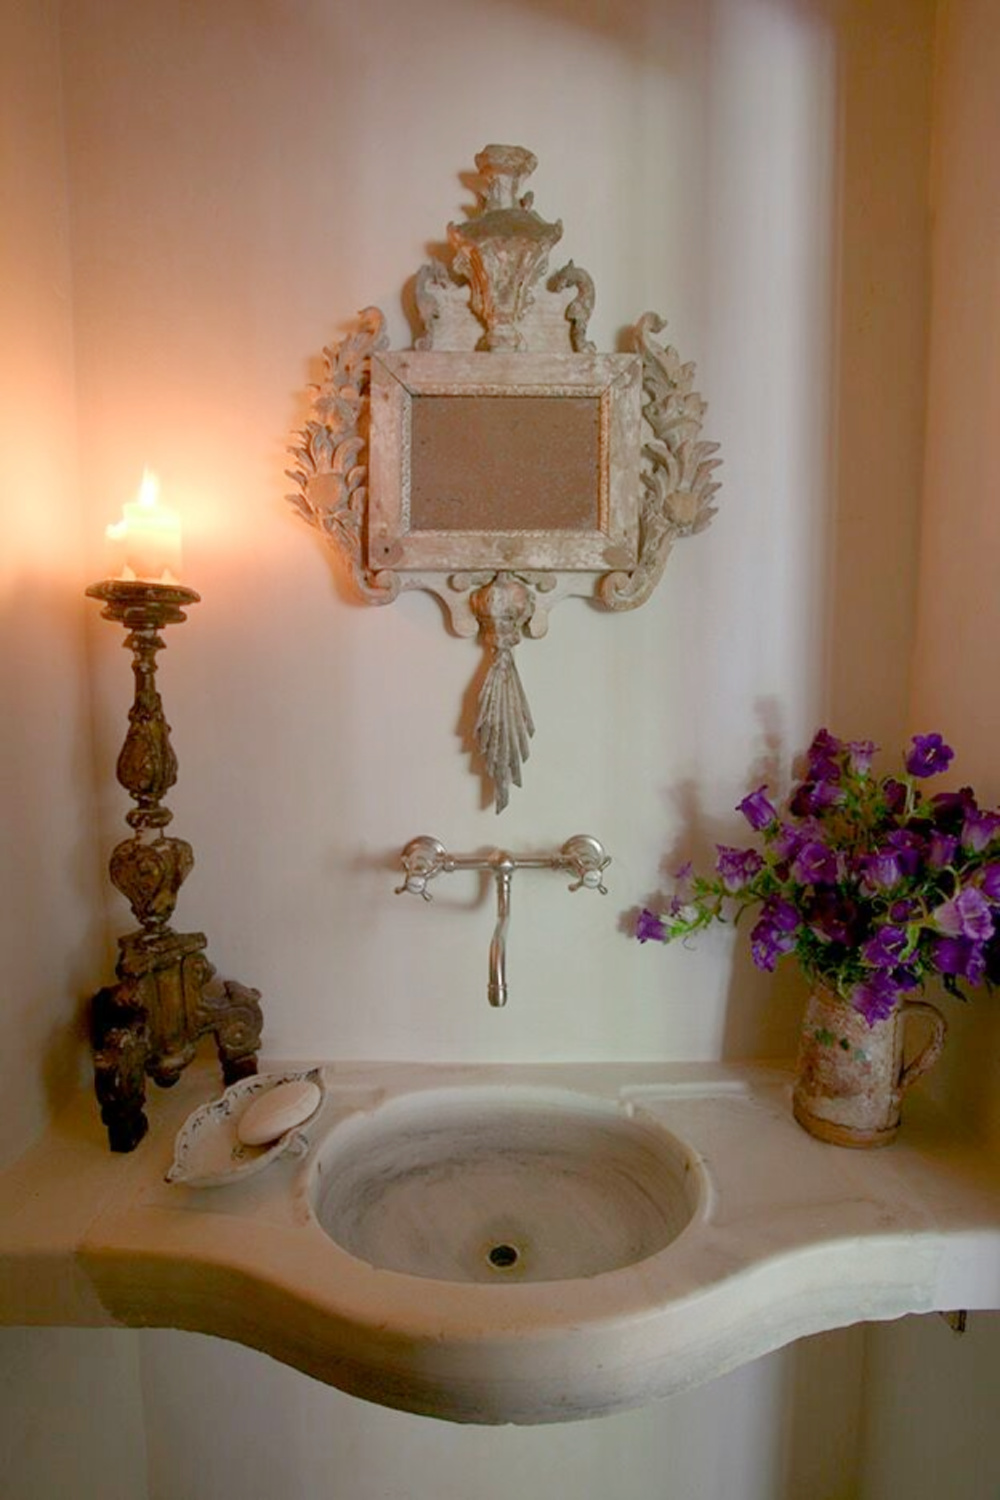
(502, 463)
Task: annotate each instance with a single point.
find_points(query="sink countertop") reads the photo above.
(794, 1237)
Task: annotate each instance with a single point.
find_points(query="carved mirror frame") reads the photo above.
(422, 470)
(471, 491)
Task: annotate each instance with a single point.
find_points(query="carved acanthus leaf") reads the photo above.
(332, 451)
(677, 467)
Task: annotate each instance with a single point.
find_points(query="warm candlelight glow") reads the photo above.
(146, 543)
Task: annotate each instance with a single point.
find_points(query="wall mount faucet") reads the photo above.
(425, 858)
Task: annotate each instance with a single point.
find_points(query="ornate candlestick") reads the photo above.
(166, 995)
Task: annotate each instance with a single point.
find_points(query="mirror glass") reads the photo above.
(513, 463)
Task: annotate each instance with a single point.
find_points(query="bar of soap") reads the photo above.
(280, 1109)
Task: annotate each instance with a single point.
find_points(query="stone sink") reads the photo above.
(509, 1244)
(504, 1185)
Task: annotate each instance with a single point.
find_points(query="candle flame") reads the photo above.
(149, 489)
(148, 498)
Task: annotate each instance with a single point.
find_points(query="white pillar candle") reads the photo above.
(146, 543)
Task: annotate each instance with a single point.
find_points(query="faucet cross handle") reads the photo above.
(588, 859)
(423, 858)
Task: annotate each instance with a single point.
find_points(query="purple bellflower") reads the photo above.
(886, 948)
(929, 755)
(967, 915)
(879, 871)
(910, 849)
(941, 849)
(815, 863)
(960, 958)
(872, 885)
(875, 997)
(737, 867)
(823, 757)
(860, 754)
(768, 944)
(758, 809)
(979, 830)
(649, 926)
(817, 797)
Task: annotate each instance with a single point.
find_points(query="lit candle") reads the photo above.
(146, 543)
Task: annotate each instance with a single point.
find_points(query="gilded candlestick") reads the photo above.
(166, 993)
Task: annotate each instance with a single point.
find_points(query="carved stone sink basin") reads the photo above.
(503, 1185)
(509, 1244)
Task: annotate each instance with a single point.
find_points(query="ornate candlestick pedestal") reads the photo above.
(166, 995)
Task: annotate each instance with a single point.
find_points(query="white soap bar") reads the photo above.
(280, 1109)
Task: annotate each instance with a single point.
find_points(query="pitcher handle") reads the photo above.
(929, 1055)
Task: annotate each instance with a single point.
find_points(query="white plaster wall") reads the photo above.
(71, 1415)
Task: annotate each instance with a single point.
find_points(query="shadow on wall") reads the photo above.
(651, 31)
(782, 1428)
(843, 351)
(762, 1011)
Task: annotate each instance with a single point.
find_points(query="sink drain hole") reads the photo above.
(502, 1257)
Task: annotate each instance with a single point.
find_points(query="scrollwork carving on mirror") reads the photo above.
(502, 463)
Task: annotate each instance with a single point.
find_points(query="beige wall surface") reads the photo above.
(930, 1424)
(51, 917)
(958, 635)
(70, 1403)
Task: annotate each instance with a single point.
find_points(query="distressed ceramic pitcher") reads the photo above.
(851, 1076)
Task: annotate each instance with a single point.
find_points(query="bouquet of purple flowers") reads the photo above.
(873, 886)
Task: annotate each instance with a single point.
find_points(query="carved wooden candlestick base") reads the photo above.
(166, 995)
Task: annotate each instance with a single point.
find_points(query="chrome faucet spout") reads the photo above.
(496, 988)
(425, 858)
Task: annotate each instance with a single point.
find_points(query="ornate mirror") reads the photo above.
(503, 463)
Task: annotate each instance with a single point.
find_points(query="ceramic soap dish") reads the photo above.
(208, 1151)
